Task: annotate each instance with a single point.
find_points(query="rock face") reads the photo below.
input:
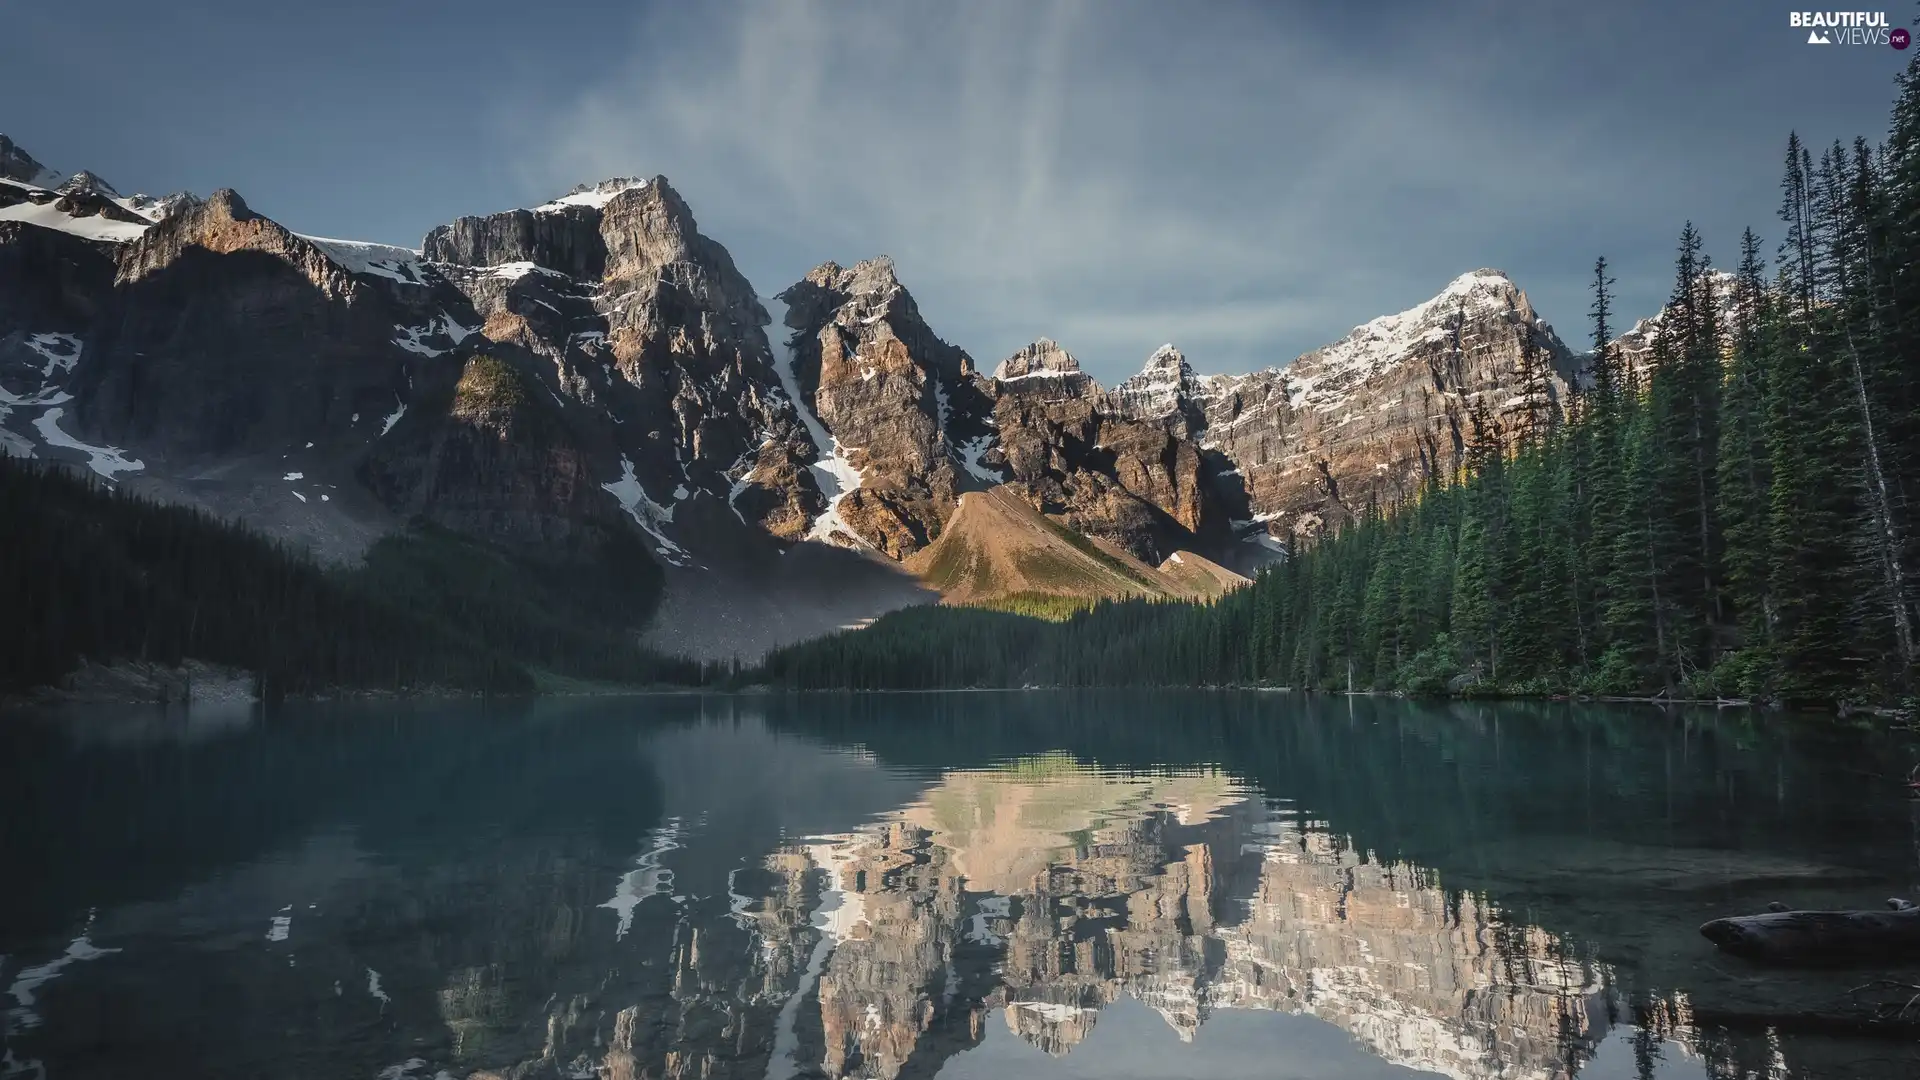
(1366, 420)
(492, 456)
(911, 426)
(565, 240)
(228, 336)
(1166, 388)
(895, 399)
(615, 296)
(17, 164)
(1078, 455)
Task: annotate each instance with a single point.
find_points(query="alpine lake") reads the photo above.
(961, 885)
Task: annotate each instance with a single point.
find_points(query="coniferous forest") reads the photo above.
(87, 572)
(1730, 516)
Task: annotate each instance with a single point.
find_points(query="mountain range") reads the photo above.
(796, 461)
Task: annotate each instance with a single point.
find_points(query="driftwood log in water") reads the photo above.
(1820, 937)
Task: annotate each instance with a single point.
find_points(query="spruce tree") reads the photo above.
(1744, 474)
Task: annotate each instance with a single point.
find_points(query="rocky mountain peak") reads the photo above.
(868, 304)
(1165, 386)
(1635, 347)
(1472, 306)
(226, 203)
(870, 277)
(596, 195)
(163, 207)
(648, 227)
(86, 183)
(17, 164)
(225, 224)
(1168, 360)
(1044, 357)
(866, 289)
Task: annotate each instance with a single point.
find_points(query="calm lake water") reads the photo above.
(961, 885)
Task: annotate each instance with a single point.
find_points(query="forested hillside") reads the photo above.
(90, 572)
(1728, 515)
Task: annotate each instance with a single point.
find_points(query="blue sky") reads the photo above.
(1246, 180)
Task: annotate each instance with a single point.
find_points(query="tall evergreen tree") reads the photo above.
(1744, 475)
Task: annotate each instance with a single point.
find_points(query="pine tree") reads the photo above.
(1744, 474)
(1850, 202)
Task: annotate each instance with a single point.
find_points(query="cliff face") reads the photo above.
(652, 344)
(490, 455)
(911, 426)
(1078, 455)
(1366, 420)
(226, 335)
(895, 400)
(1169, 458)
(1376, 413)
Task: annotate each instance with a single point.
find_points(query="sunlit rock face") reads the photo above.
(1074, 453)
(897, 401)
(1364, 421)
(653, 344)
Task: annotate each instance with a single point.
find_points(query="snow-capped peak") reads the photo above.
(86, 183)
(161, 208)
(1322, 376)
(1161, 385)
(1167, 362)
(596, 196)
(1044, 357)
(17, 164)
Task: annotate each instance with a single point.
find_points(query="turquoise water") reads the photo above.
(958, 885)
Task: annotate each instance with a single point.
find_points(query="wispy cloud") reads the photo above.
(1117, 175)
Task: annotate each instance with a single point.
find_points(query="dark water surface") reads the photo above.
(963, 885)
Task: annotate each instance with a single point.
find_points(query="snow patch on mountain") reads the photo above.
(108, 461)
(514, 271)
(414, 338)
(596, 196)
(392, 418)
(649, 515)
(61, 351)
(158, 209)
(94, 227)
(971, 452)
(832, 471)
(379, 260)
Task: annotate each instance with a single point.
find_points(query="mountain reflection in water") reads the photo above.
(966, 885)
